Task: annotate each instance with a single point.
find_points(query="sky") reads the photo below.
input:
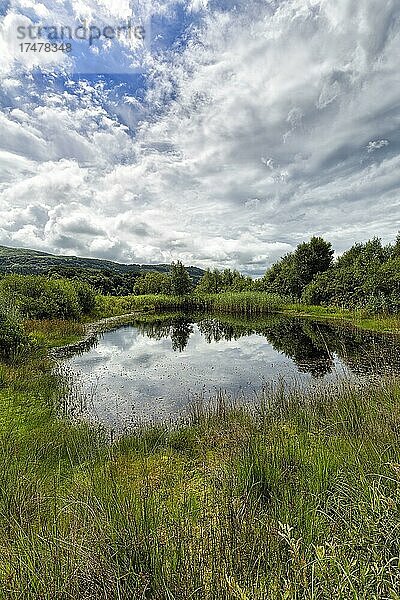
(236, 131)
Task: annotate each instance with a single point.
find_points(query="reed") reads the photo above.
(235, 303)
(293, 495)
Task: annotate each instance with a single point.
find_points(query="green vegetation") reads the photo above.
(51, 333)
(175, 283)
(236, 303)
(13, 340)
(250, 304)
(368, 276)
(295, 271)
(181, 282)
(361, 318)
(296, 499)
(216, 282)
(365, 277)
(42, 298)
(37, 312)
(106, 277)
(295, 496)
(152, 283)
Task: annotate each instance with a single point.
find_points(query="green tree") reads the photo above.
(366, 276)
(181, 282)
(296, 270)
(312, 258)
(13, 340)
(86, 296)
(39, 297)
(396, 247)
(215, 282)
(152, 282)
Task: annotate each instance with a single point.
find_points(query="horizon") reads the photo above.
(336, 255)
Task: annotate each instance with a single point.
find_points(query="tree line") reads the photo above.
(365, 276)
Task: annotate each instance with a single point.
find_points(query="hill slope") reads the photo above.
(33, 262)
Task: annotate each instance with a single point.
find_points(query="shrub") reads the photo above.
(86, 297)
(41, 298)
(13, 339)
(152, 283)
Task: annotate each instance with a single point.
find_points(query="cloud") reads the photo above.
(377, 145)
(266, 124)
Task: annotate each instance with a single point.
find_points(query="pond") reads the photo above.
(153, 368)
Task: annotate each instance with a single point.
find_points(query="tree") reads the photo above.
(38, 297)
(281, 278)
(396, 247)
(365, 256)
(209, 283)
(366, 276)
(13, 339)
(296, 270)
(215, 282)
(181, 282)
(152, 282)
(312, 258)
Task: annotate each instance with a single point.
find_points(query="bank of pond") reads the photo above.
(153, 367)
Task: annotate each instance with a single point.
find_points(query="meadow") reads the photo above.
(295, 495)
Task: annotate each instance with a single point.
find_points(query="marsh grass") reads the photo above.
(54, 332)
(243, 304)
(237, 303)
(293, 496)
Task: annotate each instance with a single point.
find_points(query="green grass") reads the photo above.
(51, 333)
(244, 304)
(296, 497)
(360, 318)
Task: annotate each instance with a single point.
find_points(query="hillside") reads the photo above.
(32, 262)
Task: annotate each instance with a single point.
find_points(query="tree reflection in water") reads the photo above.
(178, 328)
(310, 344)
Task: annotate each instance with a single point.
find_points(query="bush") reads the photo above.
(376, 288)
(86, 297)
(41, 298)
(152, 283)
(13, 340)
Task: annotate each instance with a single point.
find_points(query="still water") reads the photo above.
(153, 369)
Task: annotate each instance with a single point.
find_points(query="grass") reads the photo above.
(360, 318)
(243, 304)
(237, 303)
(296, 496)
(51, 333)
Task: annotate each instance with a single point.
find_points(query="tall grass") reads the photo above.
(294, 496)
(54, 332)
(236, 303)
(242, 304)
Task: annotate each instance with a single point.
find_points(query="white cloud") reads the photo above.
(262, 131)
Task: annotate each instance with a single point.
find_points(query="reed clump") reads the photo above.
(236, 303)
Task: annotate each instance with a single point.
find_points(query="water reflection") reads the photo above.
(312, 345)
(151, 367)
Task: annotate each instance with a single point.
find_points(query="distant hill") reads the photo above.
(33, 262)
